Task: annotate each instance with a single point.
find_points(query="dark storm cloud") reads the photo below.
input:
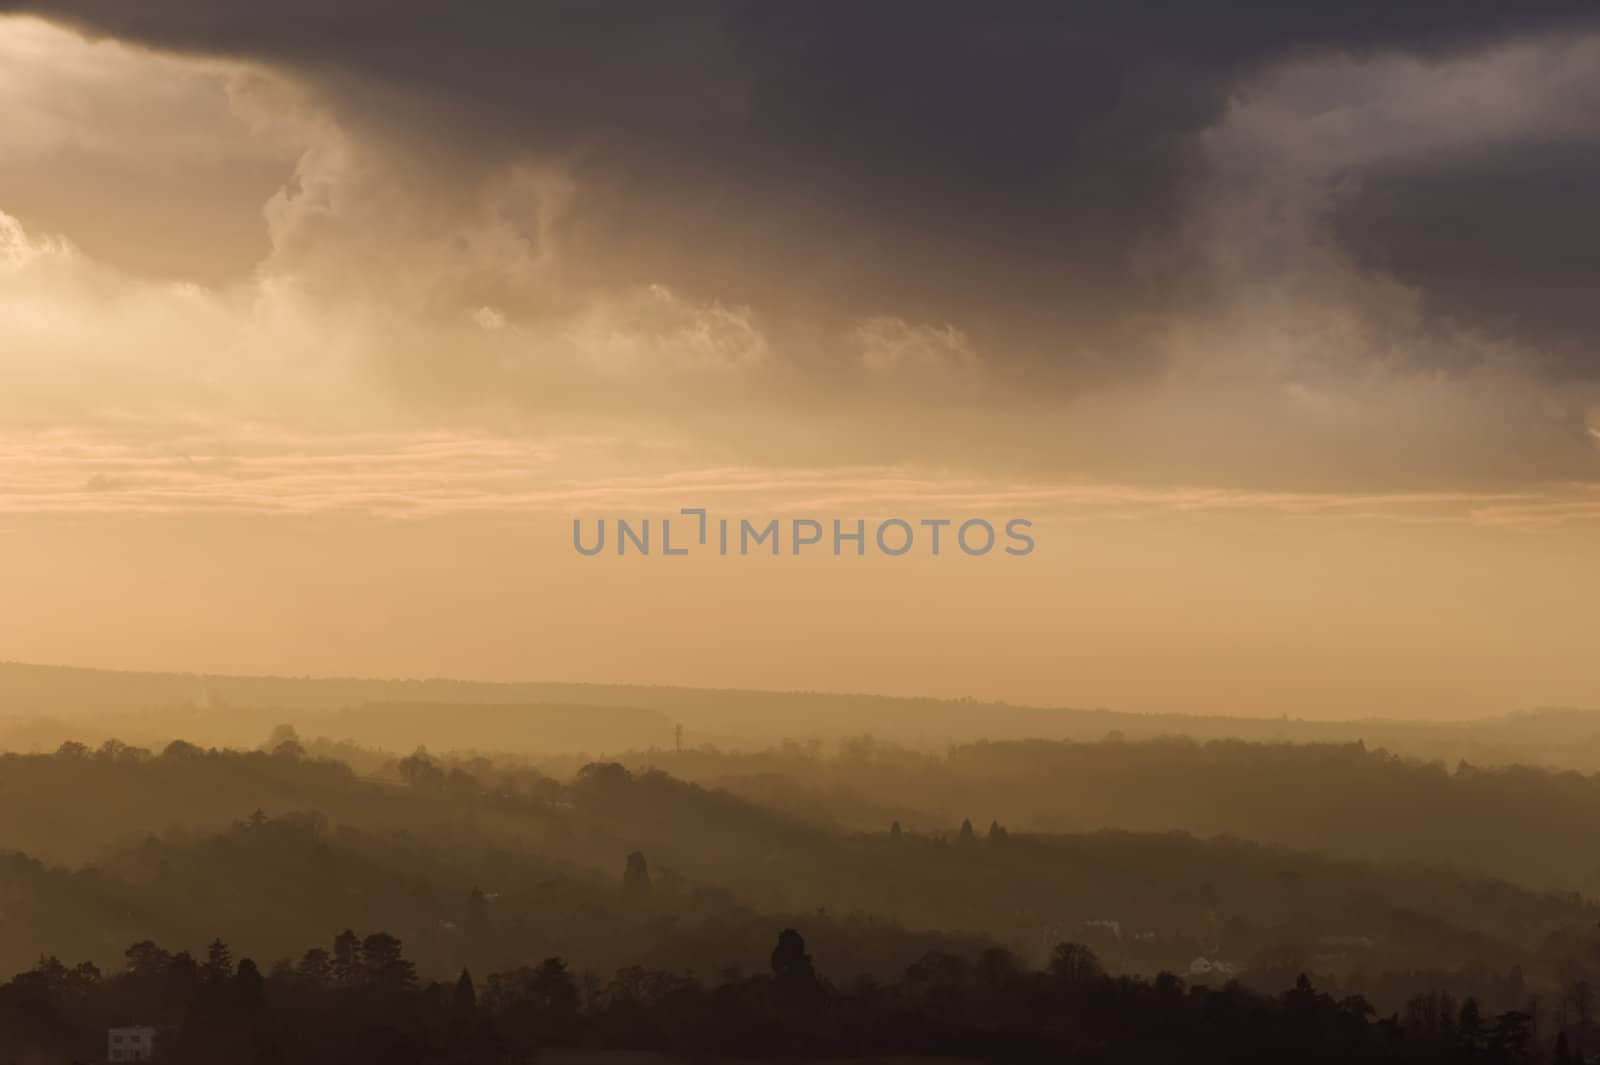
(1504, 237)
(1015, 166)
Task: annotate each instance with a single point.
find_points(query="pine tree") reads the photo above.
(346, 957)
(465, 1001)
(219, 963)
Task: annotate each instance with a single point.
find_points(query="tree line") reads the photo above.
(359, 999)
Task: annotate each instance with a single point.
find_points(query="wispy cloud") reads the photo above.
(425, 475)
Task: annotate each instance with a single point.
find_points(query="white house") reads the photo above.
(137, 1043)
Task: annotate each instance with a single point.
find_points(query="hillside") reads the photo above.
(266, 849)
(42, 705)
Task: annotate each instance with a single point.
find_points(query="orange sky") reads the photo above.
(282, 391)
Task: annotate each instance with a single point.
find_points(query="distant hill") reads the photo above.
(612, 717)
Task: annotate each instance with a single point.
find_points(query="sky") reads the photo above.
(321, 323)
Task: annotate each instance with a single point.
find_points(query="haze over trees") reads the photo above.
(808, 898)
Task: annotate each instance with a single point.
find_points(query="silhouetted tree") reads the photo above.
(147, 961)
(219, 963)
(346, 957)
(383, 964)
(1511, 1038)
(636, 875)
(1469, 1028)
(1580, 994)
(1074, 965)
(316, 965)
(792, 970)
(181, 749)
(420, 771)
(183, 977)
(248, 986)
(464, 1003)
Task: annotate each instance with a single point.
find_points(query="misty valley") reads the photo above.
(297, 882)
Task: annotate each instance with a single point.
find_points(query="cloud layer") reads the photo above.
(1312, 249)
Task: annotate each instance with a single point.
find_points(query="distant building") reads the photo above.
(137, 1043)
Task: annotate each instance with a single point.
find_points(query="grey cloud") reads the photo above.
(1010, 166)
(1504, 237)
